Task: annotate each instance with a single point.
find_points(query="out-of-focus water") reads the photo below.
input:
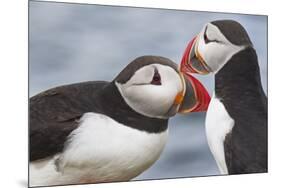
(73, 43)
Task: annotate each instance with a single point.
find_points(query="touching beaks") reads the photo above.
(194, 98)
(192, 61)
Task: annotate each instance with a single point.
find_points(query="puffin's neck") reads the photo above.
(240, 78)
(118, 110)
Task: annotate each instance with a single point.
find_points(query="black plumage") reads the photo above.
(238, 86)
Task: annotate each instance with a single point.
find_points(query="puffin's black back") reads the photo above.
(238, 86)
(53, 116)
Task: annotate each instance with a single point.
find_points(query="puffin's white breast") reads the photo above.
(218, 125)
(99, 150)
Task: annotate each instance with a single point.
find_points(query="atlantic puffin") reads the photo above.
(100, 131)
(236, 120)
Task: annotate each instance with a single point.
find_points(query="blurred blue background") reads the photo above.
(71, 43)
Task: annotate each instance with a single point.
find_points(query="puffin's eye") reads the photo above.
(207, 40)
(156, 80)
(205, 37)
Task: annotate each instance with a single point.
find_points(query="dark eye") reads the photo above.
(205, 36)
(206, 39)
(156, 80)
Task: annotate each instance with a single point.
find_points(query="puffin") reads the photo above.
(236, 119)
(99, 131)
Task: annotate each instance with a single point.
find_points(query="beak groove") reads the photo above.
(192, 61)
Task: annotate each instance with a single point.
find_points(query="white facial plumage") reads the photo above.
(218, 50)
(150, 99)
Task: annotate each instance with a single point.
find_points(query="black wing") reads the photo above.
(246, 146)
(54, 113)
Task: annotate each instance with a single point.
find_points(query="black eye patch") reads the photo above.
(156, 80)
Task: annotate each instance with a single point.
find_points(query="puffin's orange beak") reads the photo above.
(194, 97)
(192, 61)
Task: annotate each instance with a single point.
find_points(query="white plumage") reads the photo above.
(218, 125)
(150, 100)
(216, 54)
(128, 153)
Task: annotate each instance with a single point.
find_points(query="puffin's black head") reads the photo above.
(212, 48)
(154, 87)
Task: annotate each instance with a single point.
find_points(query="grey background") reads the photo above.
(71, 43)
